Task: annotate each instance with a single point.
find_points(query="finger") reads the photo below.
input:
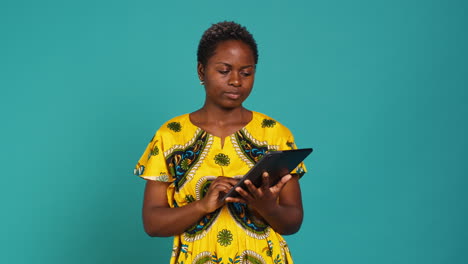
(265, 181)
(228, 180)
(282, 183)
(232, 181)
(221, 187)
(235, 200)
(225, 181)
(251, 188)
(244, 194)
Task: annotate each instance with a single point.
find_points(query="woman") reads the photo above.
(195, 158)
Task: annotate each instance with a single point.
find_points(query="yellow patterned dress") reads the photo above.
(190, 158)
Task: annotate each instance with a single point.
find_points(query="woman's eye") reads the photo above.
(223, 72)
(246, 73)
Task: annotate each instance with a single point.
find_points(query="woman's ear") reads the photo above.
(201, 72)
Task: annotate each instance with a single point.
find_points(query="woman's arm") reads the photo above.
(279, 205)
(159, 219)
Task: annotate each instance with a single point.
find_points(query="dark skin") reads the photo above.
(228, 76)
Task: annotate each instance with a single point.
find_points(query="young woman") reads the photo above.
(195, 158)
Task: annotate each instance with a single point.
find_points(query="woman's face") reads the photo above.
(228, 74)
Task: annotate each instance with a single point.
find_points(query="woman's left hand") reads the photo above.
(279, 205)
(263, 196)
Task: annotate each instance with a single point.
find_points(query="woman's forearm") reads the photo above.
(284, 219)
(167, 221)
(160, 219)
(283, 213)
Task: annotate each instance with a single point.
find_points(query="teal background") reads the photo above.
(378, 88)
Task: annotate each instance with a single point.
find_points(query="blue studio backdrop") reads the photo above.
(377, 88)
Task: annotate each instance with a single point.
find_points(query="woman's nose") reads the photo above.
(234, 80)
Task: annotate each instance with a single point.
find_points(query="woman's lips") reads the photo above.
(232, 95)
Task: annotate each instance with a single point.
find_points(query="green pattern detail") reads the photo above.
(269, 250)
(243, 143)
(278, 260)
(268, 123)
(155, 150)
(235, 260)
(222, 159)
(174, 126)
(252, 151)
(189, 198)
(191, 152)
(215, 259)
(185, 164)
(252, 259)
(203, 260)
(225, 237)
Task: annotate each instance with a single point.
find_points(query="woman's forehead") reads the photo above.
(233, 51)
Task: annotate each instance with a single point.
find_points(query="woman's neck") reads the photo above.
(221, 122)
(223, 117)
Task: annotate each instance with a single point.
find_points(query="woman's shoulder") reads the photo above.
(175, 124)
(266, 122)
(179, 126)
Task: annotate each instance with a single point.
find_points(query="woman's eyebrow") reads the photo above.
(247, 66)
(223, 63)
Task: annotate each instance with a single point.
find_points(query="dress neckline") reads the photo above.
(222, 139)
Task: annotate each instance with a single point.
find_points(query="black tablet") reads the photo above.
(276, 163)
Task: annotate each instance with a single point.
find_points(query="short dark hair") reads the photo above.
(222, 31)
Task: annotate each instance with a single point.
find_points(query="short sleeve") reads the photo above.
(152, 164)
(288, 143)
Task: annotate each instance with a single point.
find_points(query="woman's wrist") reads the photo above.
(267, 210)
(202, 207)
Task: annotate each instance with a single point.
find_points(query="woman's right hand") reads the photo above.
(218, 188)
